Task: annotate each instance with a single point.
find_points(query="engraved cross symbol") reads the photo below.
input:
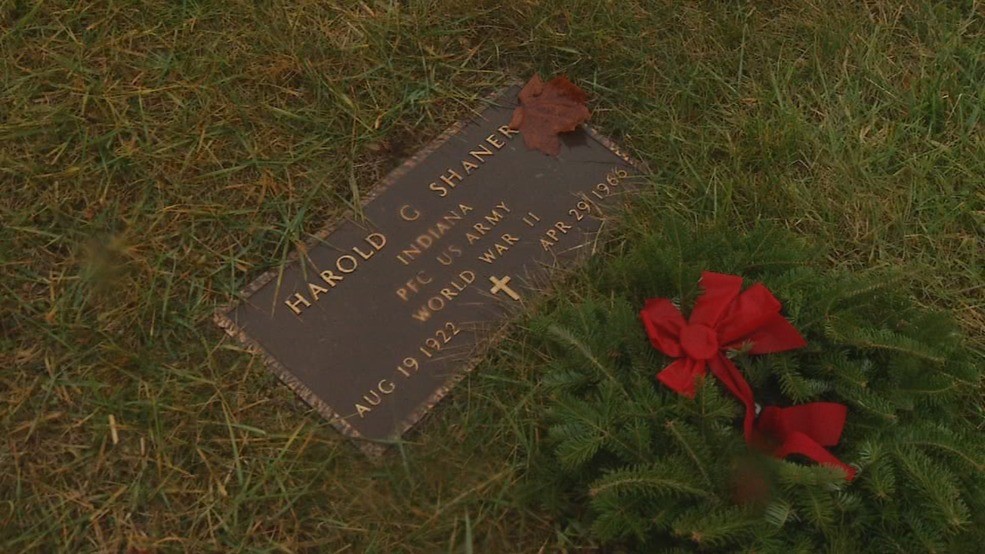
(503, 285)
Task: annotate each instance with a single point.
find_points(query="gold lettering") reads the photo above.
(478, 154)
(449, 255)
(445, 295)
(376, 240)
(422, 314)
(493, 218)
(410, 252)
(362, 410)
(448, 294)
(299, 301)
(412, 286)
(442, 191)
(373, 398)
(507, 132)
(353, 264)
(363, 255)
(499, 248)
(386, 386)
(345, 264)
(330, 277)
(315, 290)
(450, 177)
(433, 234)
(408, 213)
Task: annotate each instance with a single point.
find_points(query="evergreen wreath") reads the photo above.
(633, 465)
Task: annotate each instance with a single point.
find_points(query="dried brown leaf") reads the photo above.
(548, 109)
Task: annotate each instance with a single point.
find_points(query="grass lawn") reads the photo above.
(156, 157)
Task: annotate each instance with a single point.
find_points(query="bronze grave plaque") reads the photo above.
(385, 311)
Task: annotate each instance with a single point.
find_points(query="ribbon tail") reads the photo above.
(822, 421)
(732, 378)
(799, 443)
(806, 430)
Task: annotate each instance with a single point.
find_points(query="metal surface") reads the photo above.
(372, 325)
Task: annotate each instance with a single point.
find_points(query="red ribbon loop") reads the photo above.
(726, 318)
(804, 430)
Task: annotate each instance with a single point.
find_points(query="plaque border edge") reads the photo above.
(375, 448)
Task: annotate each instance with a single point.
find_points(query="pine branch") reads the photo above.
(963, 445)
(936, 484)
(778, 512)
(666, 478)
(879, 339)
(690, 443)
(713, 528)
(655, 466)
(816, 506)
(567, 337)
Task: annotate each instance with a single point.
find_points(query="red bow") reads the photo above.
(723, 319)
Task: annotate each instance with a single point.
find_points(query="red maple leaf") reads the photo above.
(548, 109)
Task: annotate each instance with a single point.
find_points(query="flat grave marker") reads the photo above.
(382, 314)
